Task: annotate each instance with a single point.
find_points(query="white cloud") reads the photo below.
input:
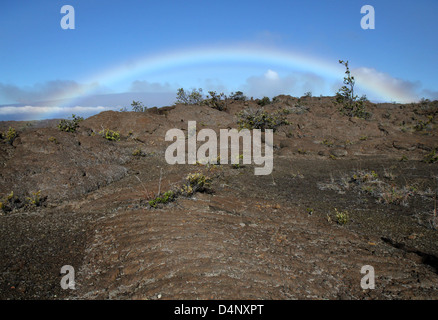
(386, 86)
(271, 84)
(271, 75)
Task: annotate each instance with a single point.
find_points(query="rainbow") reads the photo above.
(246, 55)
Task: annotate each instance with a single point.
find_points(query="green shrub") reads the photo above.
(264, 101)
(110, 135)
(138, 153)
(35, 199)
(164, 198)
(54, 140)
(216, 101)
(341, 217)
(432, 157)
(195, 182)
(422, 125)
(10, 135)
(70, 125)
(260, 119)
(9, 203)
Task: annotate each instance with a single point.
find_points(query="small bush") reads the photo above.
(195, 182)
(422, 125)
(35, 199)
(342, 218)
(70, 125)
(54, 140)
(432, 157)
(264, 102)
(394, 195)
(164, 198)
(260, 119)
(110, 135)
(12, 202)
(9, 203)
(216, 101)
(10, 135)
(138, 153)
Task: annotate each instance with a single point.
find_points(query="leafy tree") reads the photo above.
(137, 106)
(237, 96)
(263, 102)
(308, 94)
(194, 97)
(216, 101)
(351, 105)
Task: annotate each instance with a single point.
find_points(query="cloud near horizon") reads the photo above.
(26, 113)
(50, 90)
(401, 90)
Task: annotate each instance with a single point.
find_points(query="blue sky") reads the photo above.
(46, 71)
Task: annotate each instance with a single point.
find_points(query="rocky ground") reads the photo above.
(278, 236)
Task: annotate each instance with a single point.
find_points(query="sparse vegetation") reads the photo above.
(368, 182)
(423, 125)
(260, 119)
(35, 199)
(11, 202)
(216, 101)
(10, 135)
(164, 198)
(8, 202)
(327, 143)
(53, 140)
(193, 182)
(431, 157)
(395, 195)
(342, 217)
(70, 125)
(110, 135)
(138, 153)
